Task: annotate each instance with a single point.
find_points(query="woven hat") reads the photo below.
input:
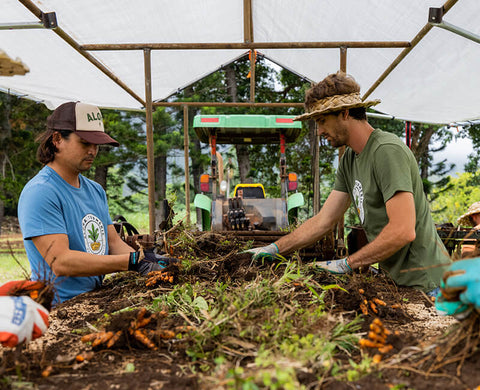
(336, 103)
(83, 119)
(465, 219)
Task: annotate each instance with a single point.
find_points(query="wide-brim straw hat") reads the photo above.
(336, 103)
(465, 219)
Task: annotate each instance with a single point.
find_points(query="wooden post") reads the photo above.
(316, 172)
(253, 55)
(341, 223)
(150, 154)
(187, 169)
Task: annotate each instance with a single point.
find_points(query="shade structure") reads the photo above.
(436, 82)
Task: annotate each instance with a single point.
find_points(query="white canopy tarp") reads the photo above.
(438, 81)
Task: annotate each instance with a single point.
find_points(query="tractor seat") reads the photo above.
(249, 191)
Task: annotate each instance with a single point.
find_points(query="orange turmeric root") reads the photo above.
(140, 335)
(114, 339)
(103, 337)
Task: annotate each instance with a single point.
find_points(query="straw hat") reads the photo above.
(336, 103)
(465, 219)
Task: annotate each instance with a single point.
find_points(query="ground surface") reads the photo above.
(415, 362)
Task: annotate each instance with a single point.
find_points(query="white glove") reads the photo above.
(339, 266)
(270, 251)
(21, 319)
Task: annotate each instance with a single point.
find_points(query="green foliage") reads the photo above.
(21, 121)
(287, 326)
(454, 202)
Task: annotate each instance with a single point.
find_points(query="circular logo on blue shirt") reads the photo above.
(94, 234)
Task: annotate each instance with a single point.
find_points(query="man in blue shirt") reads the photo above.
(68, 234)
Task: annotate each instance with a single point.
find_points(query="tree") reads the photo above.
(454, 202)
(21, 121)
(473, 164)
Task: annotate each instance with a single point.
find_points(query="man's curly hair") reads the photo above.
(338, 83)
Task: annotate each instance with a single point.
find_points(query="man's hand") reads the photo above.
(268, 252)
(21, 287)
(146, 261)
(21, 319)
(339, 266)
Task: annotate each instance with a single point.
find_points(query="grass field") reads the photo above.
(11, 266)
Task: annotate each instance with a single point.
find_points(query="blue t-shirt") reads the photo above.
(49, 205)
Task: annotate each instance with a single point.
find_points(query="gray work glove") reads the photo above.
(268, 252)
(339, 266)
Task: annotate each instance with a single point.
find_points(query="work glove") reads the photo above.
(452, 308)
(21, 319)
(21, 287)
(468, 280)
(268, 252)
(339, 266)
(146, 261)
(460, 288)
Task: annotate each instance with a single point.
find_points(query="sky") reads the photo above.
(456, 152)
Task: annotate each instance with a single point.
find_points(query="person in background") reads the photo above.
(470, 219)
(68, 234)
(379, 174)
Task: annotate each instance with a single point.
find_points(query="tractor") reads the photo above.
(248, 209)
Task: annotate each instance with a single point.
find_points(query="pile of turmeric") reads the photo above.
(377, 340)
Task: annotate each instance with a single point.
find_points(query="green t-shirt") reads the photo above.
(386, 166)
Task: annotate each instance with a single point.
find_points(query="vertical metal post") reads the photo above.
(187, 168)
(247, 21)
(316, 172)
(343, 59)
(253, 58)
(341, 151)
(150, 154)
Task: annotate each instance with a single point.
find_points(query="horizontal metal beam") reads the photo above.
(226, 104)
(21, 26)
(245, 45)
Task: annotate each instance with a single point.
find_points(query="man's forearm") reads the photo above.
(77, 263)
(388, 242)
(318, 226)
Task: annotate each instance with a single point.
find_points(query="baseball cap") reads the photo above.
(83, 119)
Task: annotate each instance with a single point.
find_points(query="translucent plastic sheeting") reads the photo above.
(436, 82)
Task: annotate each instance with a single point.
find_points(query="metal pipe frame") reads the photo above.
(150, 152)
(421, 34)
(458, 30)
(21, 26)
(244, 45)
(186, 143)
(247, 45)
(68, 39)
(226, 104)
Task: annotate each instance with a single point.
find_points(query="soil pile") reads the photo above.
(133, 339)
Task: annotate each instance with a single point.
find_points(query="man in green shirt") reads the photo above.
(379, 174)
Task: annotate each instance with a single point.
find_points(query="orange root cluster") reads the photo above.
(377, 339)
(371, 305)
(137, 329)
(156, 277)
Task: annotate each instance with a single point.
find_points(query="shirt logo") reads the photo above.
(94, 235)
(358, 199)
